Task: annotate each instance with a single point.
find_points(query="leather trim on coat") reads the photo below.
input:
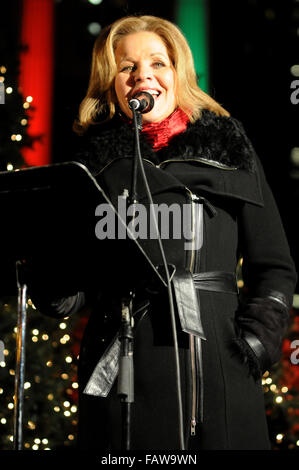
(258, 349)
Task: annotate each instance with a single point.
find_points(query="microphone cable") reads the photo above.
(170, 294)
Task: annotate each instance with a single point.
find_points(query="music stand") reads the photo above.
(50, 217)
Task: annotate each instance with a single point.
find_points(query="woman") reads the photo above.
(193, 142)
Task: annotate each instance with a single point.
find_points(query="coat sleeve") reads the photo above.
(53, 304)
(270, 277)
(59, 307)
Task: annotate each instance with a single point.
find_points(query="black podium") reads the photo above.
(48, 217)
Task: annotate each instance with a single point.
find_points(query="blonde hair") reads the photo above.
(101, 99)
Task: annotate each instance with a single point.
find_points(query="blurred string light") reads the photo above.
(23, 121)
(296, 296)
(65, 339)
(279, 437)
(295, 70)
(278, 400)
(295, 156)
(38, 443)
(16, 137)
(94, 28)
(294, 174)
(66, 408)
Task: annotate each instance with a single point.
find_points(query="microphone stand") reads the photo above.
(125, 386)
(20, 358)
(126, 336)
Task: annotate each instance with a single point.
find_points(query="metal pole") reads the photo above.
(20, 362)
(125, 386)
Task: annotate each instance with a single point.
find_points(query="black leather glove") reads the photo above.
(262, 323)
(51, 303)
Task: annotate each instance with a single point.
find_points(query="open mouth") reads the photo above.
(155, 93)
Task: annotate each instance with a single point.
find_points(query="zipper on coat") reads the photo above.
(197, 383)
(194, 342)
(193, 421)
(193, 199)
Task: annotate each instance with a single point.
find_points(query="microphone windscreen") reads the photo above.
(146, 101)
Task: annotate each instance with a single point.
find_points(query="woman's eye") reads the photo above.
(128, 68)
(158, 65)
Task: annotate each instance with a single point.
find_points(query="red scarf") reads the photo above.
(160, 133)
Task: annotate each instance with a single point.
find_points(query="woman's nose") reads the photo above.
(142, 72)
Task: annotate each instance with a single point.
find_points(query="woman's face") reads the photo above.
(143, 64)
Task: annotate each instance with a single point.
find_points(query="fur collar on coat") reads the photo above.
(216, 138)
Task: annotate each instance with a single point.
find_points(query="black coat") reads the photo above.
(243, 334)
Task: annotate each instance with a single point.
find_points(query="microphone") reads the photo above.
(142, 102)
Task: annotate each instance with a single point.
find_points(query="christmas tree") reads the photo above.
(281, 384)
(51, 388)
(281, 388)
(52, 347)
